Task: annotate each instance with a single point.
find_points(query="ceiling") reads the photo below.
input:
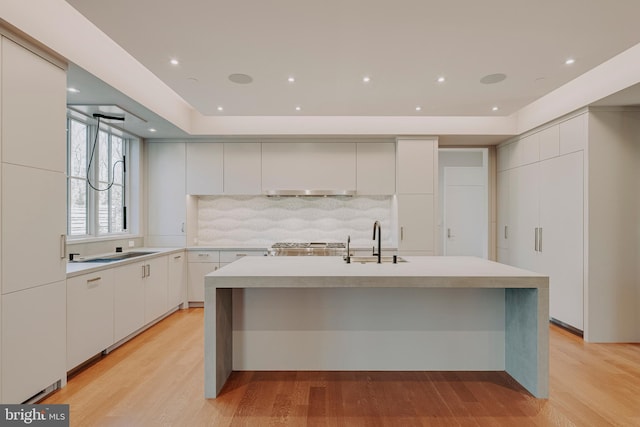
(329, 46)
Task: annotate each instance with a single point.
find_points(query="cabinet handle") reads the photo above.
(148, 270)
(63, 246)
(536, 240)
(401, 233)
(182, 228)
(540, 240)
(240, 255)
(177, 257)
(94, 280)
(448, 233)
(144, 271)
(203, 254)
(506, 233)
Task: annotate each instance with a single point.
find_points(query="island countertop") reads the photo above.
(436, 272)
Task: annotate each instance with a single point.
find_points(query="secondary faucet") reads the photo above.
(376, 225)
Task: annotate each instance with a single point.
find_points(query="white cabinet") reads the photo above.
(33, 110)
(376, 168)
(417, 169)
(503, 214)
(416, 217)
(129, 304)
(89, 316)
(33, 341)
(309, 166)
(201, 263)
(205, 168)
(33, 227)
(242, 168)
(176, 292)
(155, 288)
(166, 212)
(550, 142)
(574, 134)
(417, 166)
(524, 216)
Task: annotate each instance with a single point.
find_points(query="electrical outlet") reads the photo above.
(131, 243)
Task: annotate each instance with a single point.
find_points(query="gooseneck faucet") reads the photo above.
(376, 225)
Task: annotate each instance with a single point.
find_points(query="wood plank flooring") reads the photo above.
(157, 380)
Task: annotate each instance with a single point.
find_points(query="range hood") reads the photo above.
(309, 193)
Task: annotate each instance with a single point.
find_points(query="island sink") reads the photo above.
(374, 259)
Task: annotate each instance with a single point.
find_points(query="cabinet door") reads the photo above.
(176, 293)
(308, 166)
(166, 196)
(416, 166)
(550, 142)
(574, 134)
(242, 168)
(155, 288)
(89, 316)
(503, 209)
(376, 168)
(562, 240)
(205, 168)
(34, 102)
(128, 299)
(524, 217)
(196, 273)
(33, 341)
(416, 219)
(33, 227)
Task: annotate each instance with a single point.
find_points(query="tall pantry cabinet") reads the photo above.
(567, 198)
(33, 222)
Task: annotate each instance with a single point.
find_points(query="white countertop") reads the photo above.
(426, 271)
(78, 268)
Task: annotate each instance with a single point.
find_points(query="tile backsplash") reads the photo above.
(261, 221)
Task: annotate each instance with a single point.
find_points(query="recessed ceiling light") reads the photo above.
(220, 108)
(441, 79)
(569, 61)
(366, 79)
(298, 108)
(152, 130)
(72, 90)
(418, 108)
(241, 79)
(174, 62)
(291, 79)
(495, 109)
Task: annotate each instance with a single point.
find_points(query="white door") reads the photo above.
(465, 223)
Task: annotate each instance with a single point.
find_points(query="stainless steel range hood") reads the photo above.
(310, 193)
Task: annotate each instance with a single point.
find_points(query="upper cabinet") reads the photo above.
(33, 110)
(416, 165)
(376, 168)
(308, 166)
(242, 168)
(205, 166)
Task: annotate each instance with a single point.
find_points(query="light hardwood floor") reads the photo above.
(156, 379)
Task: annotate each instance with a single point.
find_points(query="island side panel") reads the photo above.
(217, 339)
(527, 338)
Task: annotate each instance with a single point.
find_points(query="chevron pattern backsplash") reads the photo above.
(261, 221)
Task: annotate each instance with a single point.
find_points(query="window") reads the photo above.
(96, 187)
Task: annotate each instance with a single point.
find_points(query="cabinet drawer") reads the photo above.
(231, 256)
(203, 256)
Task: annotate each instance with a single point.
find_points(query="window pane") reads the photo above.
(103, 158)
(116, 209)
(117, 147)
(103, 212)
(77, 207)
(78, 149)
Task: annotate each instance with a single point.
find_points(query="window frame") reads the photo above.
(92, 197)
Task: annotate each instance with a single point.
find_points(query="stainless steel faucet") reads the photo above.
(376, 225)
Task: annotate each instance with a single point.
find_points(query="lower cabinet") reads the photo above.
(176, 292)
(155, 288)
(90, 316)
(196, 273)
(128, 299)
(33, 341)
(417, 224)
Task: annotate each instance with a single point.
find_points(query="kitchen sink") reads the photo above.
(374, 259)
(115, 257)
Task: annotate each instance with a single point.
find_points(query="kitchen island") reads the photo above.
(429, 313)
